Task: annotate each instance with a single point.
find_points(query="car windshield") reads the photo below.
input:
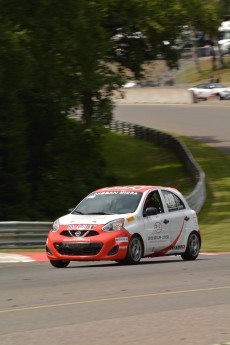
(217, 85)
(117, 202)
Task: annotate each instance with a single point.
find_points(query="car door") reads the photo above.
(204, 91)
(175, 218)
(156, 234)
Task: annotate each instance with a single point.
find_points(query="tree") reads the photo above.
(15, 68)
(59, 55)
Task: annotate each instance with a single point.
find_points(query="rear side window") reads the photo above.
(173, 202)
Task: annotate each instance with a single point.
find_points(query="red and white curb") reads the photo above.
(23, 257)
(42, 257)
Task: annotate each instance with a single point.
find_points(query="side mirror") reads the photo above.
(70, 210)
(150, 211)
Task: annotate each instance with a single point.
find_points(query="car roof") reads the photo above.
(214, 84)
(132, 188)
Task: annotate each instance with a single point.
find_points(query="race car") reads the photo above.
(125, 224)
(208, 90)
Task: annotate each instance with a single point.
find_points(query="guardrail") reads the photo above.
(33, 234)
(197, 197)
(16, 234)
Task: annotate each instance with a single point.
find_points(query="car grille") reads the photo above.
(81, 233)
(78, 248)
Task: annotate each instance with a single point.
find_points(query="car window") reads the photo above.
(217, 85)
(153, 200)
(173, 202)
(202, 86)
(109, 202)
(180, 204)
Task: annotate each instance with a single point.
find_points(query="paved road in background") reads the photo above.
(208, 121)
(160, 301)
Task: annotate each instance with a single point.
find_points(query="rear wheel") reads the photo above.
(135, 251)
(60, 263)
(193, 247)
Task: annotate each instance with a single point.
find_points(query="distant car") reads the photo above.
(125, 224)
(206, 90)
(129, 84)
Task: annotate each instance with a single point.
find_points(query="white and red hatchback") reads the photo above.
(125, 224)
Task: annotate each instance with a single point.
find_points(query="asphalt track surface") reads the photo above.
(207, 121)
(160, 301)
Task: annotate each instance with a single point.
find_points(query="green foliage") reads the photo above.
(72, 166)
(214, 217)
(59, 55)
(136, 161)
(15, 67)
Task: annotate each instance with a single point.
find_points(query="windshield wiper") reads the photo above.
(74, 212)
(99, 213)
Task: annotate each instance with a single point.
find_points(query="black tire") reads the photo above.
(193, 247)
(60, 263)
(135, 251)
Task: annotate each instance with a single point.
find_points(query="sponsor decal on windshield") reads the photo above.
(91, 196)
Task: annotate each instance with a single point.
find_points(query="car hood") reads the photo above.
(89, 219)
(224, 41)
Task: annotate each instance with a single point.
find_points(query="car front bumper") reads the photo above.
(104, 246)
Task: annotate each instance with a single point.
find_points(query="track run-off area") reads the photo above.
(162, 300)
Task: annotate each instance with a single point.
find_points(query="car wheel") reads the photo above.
(60, 263)
(221, 98)
(135, 251)
(193, 247)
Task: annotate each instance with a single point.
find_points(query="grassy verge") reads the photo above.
(138, 162)
(192, 76)
(214, 218)
(135, 161)
(187, 72)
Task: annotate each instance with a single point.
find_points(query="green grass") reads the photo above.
(137, 162)
(214, 217)
(188, 73)
(134, 161)
(192, 76)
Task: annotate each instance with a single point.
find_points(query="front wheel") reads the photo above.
(135, 251)
(60, 263)
(193, 247)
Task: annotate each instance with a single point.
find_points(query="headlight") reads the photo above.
(55, 225)
(114, 225)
